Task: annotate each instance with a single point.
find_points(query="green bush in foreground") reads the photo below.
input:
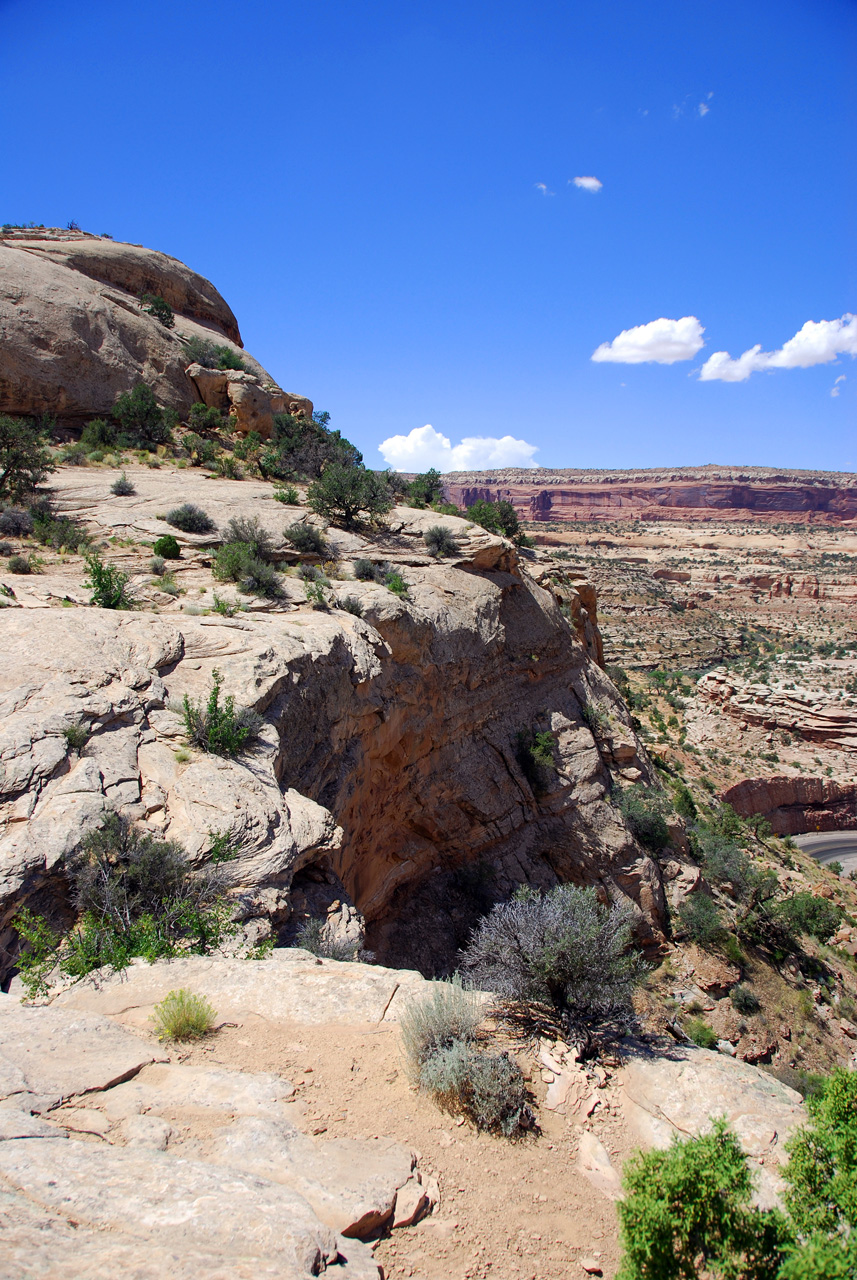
(488, 1088)
(216, 726)
(687, 1211)
(123, 487)
(167, 547)
(344, 494)
(135, 895)
(182, 1015)
(190, 519)
(108, 584)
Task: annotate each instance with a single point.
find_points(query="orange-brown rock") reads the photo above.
(677, 493)
(794, 805)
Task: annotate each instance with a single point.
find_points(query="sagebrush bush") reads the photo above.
(62, 533)
(250, 531)
(157, 565)
(305, 538)
(563, 949)
(167, 547)
(217, 727)
(315, 936)
(123, 487)
(190, 519)
(182, 1015)
(488, 1088)
(289, 496)
(16, 523)
(76, 735)
(259, 579)
(351, 605)
(108, 584)
(18, 564)
(744, 1000)
(440, 541)
(443, 1015)
(365, 571)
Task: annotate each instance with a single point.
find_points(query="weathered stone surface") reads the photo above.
(75, 335)
(681, 1090)
(182, 1204)
(177, 1089)
(288, 986)
(595, 1164)
(351, 1184)
(60, 1053)
(15, 1123)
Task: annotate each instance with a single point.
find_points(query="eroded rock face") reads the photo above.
(390, 758)
(74, 336)
(794, 805)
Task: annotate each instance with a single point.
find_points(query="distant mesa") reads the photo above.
(675, 493)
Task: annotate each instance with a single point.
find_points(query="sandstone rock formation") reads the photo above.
(810, 714)
(389, 763)
(73, 335)
(686, 493)
(794, 805)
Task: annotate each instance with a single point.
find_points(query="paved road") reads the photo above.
(831, 846)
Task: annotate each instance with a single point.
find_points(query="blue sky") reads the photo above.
(384, 193)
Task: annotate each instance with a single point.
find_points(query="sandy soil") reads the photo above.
(509, 1211)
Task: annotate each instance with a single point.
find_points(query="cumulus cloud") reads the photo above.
(818, 342)
(836, 387)
(588, 184)
(663, 341)
(424, 447)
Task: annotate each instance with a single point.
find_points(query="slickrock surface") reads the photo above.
(389, 756)
(685, 493)
(277, 1141)
(75, 335)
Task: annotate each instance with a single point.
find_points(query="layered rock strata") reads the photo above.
(74, 336)
(794, 805)
(685, 493)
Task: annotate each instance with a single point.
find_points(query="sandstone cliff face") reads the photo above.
(73, 335)
(796, 805)
(388, 775)
(688, 493)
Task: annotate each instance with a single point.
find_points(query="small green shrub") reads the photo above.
(108, 584)
(701, 921)
(168, 584)
(289, 496)
(224, 607)
(496, 517)
(167, 547)
(190, 519)
(154, 305)
(305, 538)
(315, 595)
(123, 487)
(61, 533)
(744, 1000)
(76, 735)
(18, 564)
(182, 1015)
(351, 605)
(205, 418)
(217, 727)
(157, 565)
(396, 583)
(700, 1033)
(259, 579)
(250, 532)
(227, 468)
(594, 719)
(440, 541)
(835, 868)
(98, 434)
(96, 456)
(230, 560)
(364, 571)
(643, 810)
(803, 913)
(316, 937)
(534, 752)
(425, 489)
(15, 523)
(203, 453)
(25, 460)
(76, 455)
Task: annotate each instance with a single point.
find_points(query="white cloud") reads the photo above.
(663, 341)
(424, 447)
(588, 184)
(541, 186)
(818, 342)
(836, 387)
(704, 109)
